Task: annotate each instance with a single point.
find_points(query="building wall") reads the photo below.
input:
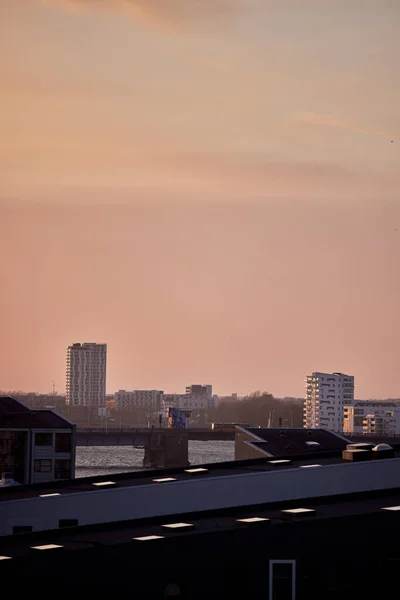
(86, 375)
(150, 399)
(243, 446)
(185, 496)
(326, 396)
(199, 390)
(52, 455)
(367, 417)
(47, 454)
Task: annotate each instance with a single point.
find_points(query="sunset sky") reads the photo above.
(211, 187)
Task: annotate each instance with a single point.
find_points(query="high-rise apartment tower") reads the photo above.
(326, 396)
(86, 375)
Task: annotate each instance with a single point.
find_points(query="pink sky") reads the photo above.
(213, 192)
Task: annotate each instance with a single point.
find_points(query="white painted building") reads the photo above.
(198, 397)
(326, 396)
(368, 417)
(86, 375)
(150, 399)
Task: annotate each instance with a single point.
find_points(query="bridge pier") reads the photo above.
(167, 449)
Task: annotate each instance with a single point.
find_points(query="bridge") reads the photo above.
(140, 437)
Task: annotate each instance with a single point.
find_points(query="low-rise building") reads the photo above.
(35, 445)
(198, 397)
(366, 416)
(149, 399)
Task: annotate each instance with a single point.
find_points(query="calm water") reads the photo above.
(102, 460)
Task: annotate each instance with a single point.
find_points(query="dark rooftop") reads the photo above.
(272, 514)
(147, 477)
(15, 414)
(282, 442)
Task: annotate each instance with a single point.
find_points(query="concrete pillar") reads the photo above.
(167, 449)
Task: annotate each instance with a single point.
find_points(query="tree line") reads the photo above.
(260, 409)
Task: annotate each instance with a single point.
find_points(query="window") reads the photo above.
(43, 466)
(63, 442)
(62, 469)
(43, 439)
(282, 580)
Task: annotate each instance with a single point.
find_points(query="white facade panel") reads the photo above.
(142, 501)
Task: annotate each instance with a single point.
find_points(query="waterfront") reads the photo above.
(102, 460)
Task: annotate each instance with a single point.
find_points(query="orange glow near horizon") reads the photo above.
(214, 192)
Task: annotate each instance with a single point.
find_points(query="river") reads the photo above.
(104, 460)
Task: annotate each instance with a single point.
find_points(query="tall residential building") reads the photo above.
(86, 375)
(326, 396)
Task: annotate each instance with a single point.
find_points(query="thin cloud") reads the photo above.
(331, 121)
(165, 13)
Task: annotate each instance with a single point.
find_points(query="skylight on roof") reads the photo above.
(103, 483)
(48, 495)
(178, 525)
(308, 466)
(5, 557)
(298, 511)
(392, 508)
(47, 547)
(147, 538)
(199, 470)
(164, 479)
(252, 520)
(281, 461)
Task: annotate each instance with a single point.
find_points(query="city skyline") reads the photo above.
(212, 188)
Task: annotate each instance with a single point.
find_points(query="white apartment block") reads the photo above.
(369, 417)
(198, 397)
(149, 399)
(326, 396)
(86, 374)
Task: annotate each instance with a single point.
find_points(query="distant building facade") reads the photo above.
(86, 375)
(153, 400)
(198, 397)
(35, 445)
(367, 417)
(325, 398)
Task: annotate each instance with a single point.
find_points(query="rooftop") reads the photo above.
(167, 476)
(16, 415)
(282, 442)
(383, 503)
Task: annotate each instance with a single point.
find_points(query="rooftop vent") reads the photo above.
(356, 454)
(310, 434)
(313, 444)
(382, 451)
(360, 446)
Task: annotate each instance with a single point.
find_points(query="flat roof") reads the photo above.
(272, 514)
(279, 441)
(147, 477)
